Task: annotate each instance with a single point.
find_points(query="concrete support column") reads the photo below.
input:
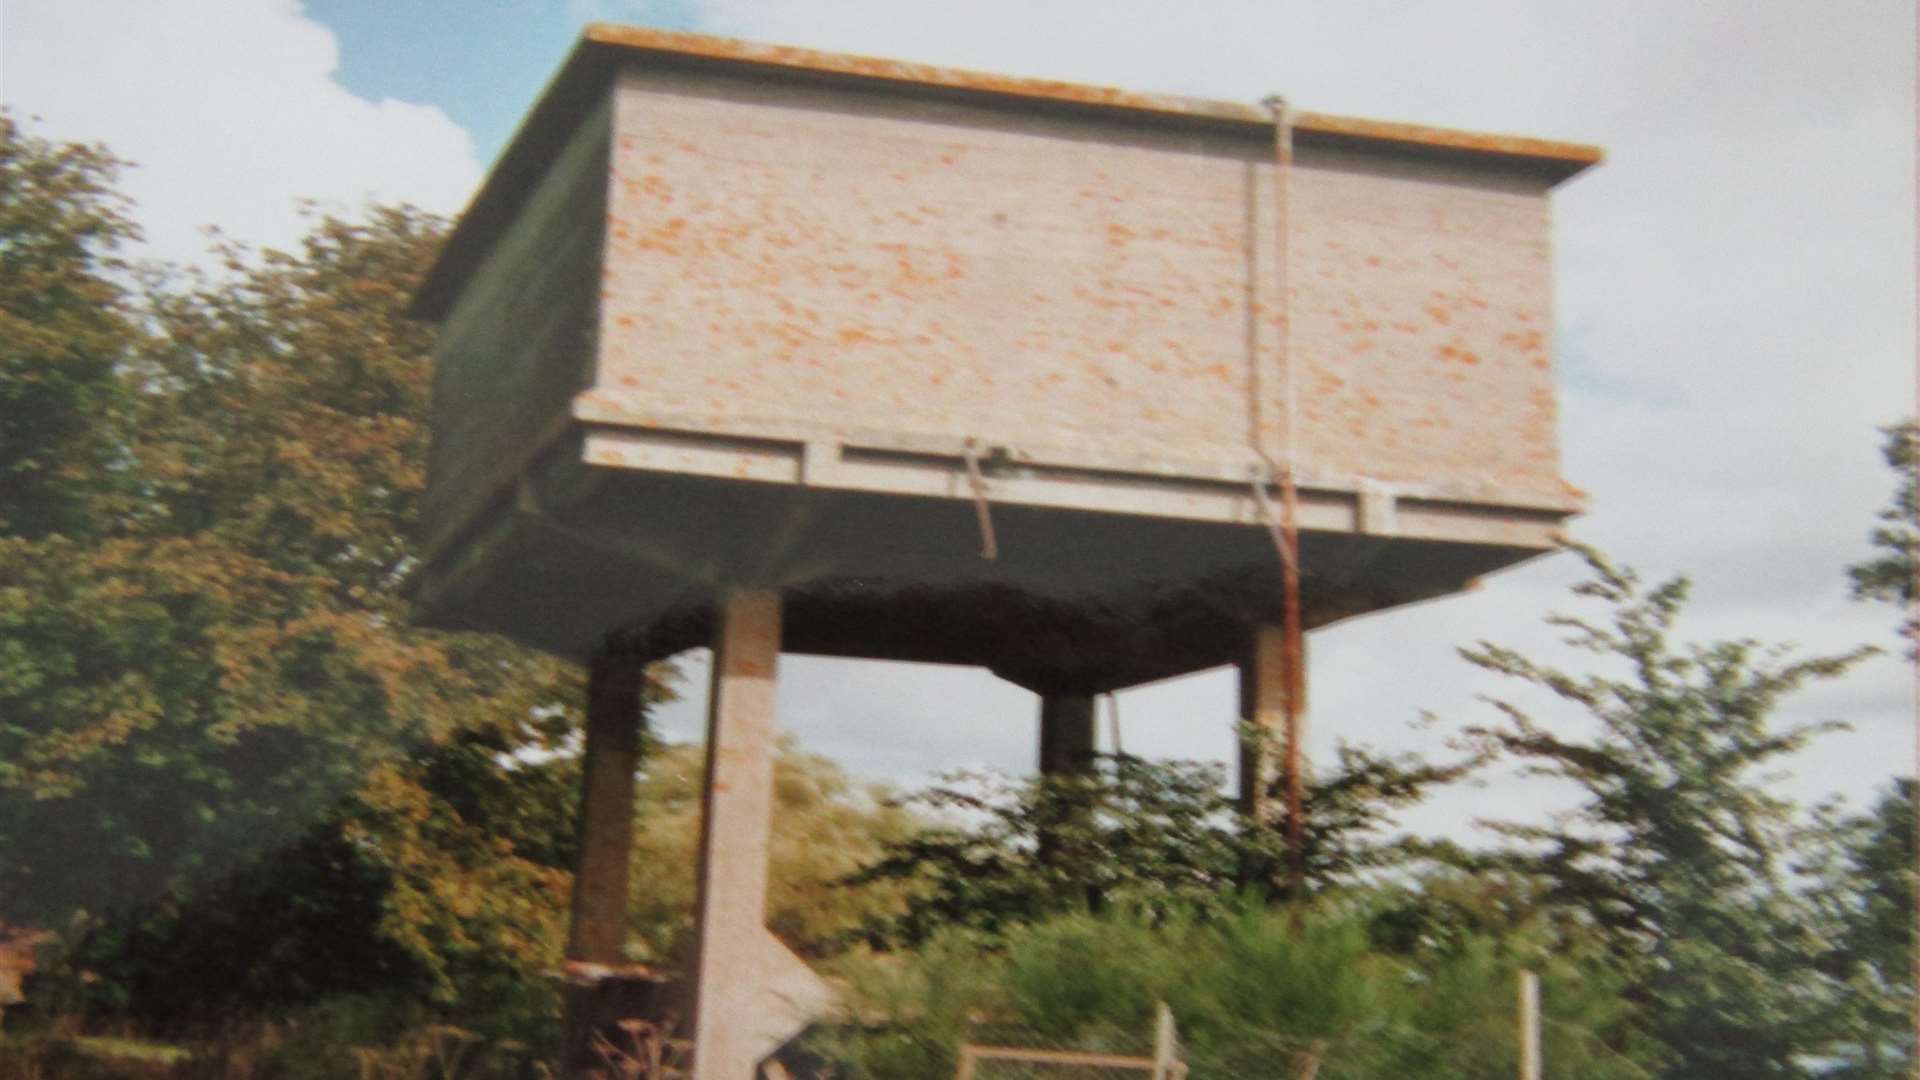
(1263, 707)
(1066, 749)
(616, 682)
(1066, 733)
(750, 993)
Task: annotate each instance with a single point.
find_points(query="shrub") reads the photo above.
(1250, 990)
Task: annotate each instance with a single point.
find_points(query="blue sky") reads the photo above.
(1735, 285)
(482, 61)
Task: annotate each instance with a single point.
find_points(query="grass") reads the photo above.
(1251, 992)
(109, 1046)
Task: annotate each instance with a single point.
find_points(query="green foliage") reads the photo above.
(171, 710)
(204, 656)
(1348, 815)
(1158, 835)
(1679, 855)
(204, 683)
(824, 828)
(475, 842)
(443, 880)
(1010, 852)
(1888, 574)
(1250, 990)
(1866, 888)
(63, 330)
(285, 930)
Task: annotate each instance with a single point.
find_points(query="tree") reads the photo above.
(1003, 853)
(284, 792)
(825, 827)
(1678, 853)
(1888, 575)
(1161, 836)
(1866, 886)
(1348, 817)
(437, 889)
(63, 330)
(217, 652)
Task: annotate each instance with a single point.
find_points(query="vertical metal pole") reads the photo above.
(1529, 1026)
(1292, 773)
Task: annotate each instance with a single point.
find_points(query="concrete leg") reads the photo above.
(1066, 748)
(1066, 733)
(597, 936)
(1263, 696)
(751, 994)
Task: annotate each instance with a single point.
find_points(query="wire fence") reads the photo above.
(1119, 1055)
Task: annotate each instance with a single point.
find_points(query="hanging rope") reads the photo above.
(989, 547)
(1288, 531)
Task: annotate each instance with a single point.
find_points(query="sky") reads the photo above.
(1734, 287)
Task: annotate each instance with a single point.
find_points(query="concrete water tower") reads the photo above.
(759, 348)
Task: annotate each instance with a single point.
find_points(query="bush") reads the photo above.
(1250, 991)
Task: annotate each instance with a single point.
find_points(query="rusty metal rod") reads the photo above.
(989, 546)
(1292, 768)
(1263, 501)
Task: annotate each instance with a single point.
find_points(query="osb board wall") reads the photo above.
(518, 343)
(782, 252)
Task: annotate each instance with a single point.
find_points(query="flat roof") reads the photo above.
(603, 47)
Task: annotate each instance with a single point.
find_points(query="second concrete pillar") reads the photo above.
(751, 994)
(616, 685)
(1263, 708)
(1066, 733)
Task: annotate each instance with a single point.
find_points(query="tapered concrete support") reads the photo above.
(616, 682)
(1263, 707)
(751, 994)
(1066, 734)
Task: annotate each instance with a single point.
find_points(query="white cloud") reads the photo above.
(1735, 284)
(229, 110)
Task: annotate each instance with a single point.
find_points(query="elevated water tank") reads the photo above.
(731, 315)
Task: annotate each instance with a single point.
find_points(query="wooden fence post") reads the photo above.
(1306, 1063)
(1529, 1026)
(1163, 1042)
